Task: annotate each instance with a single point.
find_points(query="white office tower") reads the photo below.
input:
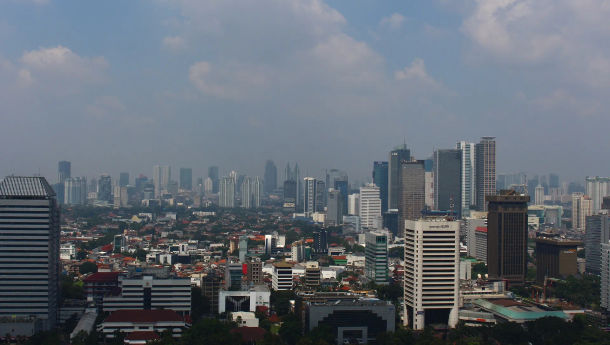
(474, 225)
(282, 276)
(467, 178)
(353, 204)
(309, 196)
(29, 255)
(597, 188)
(582, 206)
(161, 178)
(605, 277)
(246, 193)
(226, 197)
(257, 191)
(297, 251)
(431, 277)
(539, 195)
(208, 186)
(376, 257)
(370, 207)
(75, 191)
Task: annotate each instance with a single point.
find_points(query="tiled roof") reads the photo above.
(25, 187)
(102, 277)
(149, 335)
(139, 316)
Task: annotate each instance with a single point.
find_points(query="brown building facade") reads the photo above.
(555, 257)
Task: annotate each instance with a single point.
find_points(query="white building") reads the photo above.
(297, 251)
(246, 193)
(226, 197)
(539, 195)
(353, 204)
(597, 188)
(471, 225)
(376, 253)
(431, 277)
(467, 178)
(161, 178)
(309, 196)
(582, 206)
(67, 251)
(370, 207)
(236, 301)
(244, 319)
(135, 321)
(282, 276)
(257, 190)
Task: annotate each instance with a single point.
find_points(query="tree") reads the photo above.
(290, 332)
(87, 267)
(280, 301)
(200, 303)
(211, 331)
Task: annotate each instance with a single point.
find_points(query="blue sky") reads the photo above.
(122, 85)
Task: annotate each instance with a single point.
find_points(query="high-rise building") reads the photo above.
(297, 251)
(123, 179)
(605, 277)
(226, 197)
(257, 192)
(390, 221)
(597, 188)
(270, 177)
(104, 189)
(429, 183)
(320, 241)
(376, 257)
(208, 186)
(412, 192)
(343, 187)
(186, 178)
(431, 278)
(380, 179)
(467, 176)
(309, 196)
(370, 207)
(29, 270)
(246, 193)
(539, 195)
(555, 257)
(75, 191)
(338, 180)
(447, 180)
(161, 178)
(507, 236)
(582, 206)
(597, 232)
(214, 176)
(353, 204)
(282, 276)
(65, 170)
(485, 171)
(397, 156)
(290, 195)
(334, 212)
(320, 195)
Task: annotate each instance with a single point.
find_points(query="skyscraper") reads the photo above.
(104, 188)
(370, 207)
(246, 193)
(597, 188)
(65, 170)
(123, 179)
(334, 213)
(485, 174)
(213, 175)
(597, 233)
(226, 196)
(467, 178)
(186, 178)
(447, 180)
(431, 279)
(290, 194)
(309, 196)
(29, 220)
(582, 206)
(539, 195)
(161, 178)
(270, 177)
(507, 236)
(399, 154)
(257, 192)
(380, 179)
(75, 191)
(320, 195)
(376, 257)
(412, 192)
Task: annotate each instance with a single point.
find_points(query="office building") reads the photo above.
(605, 277)
(376, 257)
(380, 179)
(480, 249)
(234, 272)
(353, 204)
(334, 212)
(244, 300)
(370, 207)
(597, 188)
(29, 244)
(246, 193)
(270, 177)
(429, 183)
(226, 197)
(471, 224)
(255, 271)
(431, 276)
(390, 222)
(75, 191)
(412, 189)
(312, 274)
(290, 195)
(210, 289)
(64, 169)
(270, 244)
(134, 322)
(539, 195)
(123, 179)
(257, 192)
(309, 196)
(485, 171)
(447, 180)
(351, 321)
(467, 176)
(320, 196)
(104, 189)
(582, 207)
(214, 176)
(397, 156)
(148, 292)
(320, 241)
(282, 276)
(297, 251)
(507, 237)
(161, 178)
(555, 257)
(597, 232)
(186, 178)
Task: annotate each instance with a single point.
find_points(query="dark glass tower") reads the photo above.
(399, 154)
(380, 179)
(412, 192)
(123, 179)
(186, 178)
(485, 165)
(270, 182)
(213, 175)
(447, 180)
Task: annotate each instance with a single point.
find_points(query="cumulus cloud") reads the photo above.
(394, 21)
(228, 81)
(174, 43)
(416, 72)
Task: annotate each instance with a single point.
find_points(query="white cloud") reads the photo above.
(174, 43)
(228, 81)
(394, 21)
(416, 72)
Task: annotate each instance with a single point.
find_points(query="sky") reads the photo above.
(123, 85)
